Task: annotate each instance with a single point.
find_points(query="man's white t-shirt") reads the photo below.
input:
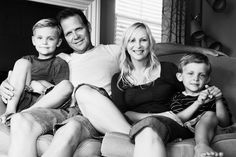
(95, 67)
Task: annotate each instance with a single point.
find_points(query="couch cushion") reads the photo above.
(88, 148)
(225, 143)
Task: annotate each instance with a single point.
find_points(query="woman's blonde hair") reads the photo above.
(125, 63)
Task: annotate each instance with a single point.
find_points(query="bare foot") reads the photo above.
(203, 150)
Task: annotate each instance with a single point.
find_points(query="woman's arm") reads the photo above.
(163, 49)
(118, 95)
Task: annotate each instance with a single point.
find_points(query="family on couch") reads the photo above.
(94, 113)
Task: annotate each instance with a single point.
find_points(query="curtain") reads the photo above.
(173, 21)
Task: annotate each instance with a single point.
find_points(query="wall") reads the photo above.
(221, 26)
(16, 24)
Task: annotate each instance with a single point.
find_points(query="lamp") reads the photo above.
(217, 5)
(196, 31)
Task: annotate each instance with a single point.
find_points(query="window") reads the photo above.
(131, 11)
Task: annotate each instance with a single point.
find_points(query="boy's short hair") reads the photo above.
(68, 12)
(194, 58)
(50, 22)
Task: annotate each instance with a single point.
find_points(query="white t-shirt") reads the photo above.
(95, 67)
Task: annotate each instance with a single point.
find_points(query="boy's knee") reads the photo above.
(66, 86)
(22, 63)
(209, 117)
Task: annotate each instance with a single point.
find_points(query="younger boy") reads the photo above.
(200, 107)
(34, 76)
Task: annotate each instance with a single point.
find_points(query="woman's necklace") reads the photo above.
(138, 77)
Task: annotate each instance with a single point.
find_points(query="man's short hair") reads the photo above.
(68, 12)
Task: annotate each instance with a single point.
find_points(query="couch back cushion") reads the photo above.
(223, 76)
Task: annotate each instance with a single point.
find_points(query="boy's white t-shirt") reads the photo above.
(95, 67)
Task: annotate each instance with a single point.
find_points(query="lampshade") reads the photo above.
(196, 31)
(217, 5)
(213, 44)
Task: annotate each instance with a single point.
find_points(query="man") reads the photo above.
(90, 66)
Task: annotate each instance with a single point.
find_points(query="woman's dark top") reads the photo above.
(153, 97)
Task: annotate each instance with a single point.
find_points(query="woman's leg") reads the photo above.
(152, 133)
(148, 143)
(100, 111)
(204, 132)
(20, 76)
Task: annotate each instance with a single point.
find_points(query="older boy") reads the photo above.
(34, 76)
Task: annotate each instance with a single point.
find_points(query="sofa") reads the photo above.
(118, 145)
(224, 76)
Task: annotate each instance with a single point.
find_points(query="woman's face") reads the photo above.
(138, 45)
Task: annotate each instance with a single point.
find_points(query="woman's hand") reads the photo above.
(6, 90)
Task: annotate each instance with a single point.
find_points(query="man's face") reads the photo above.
(76, 33)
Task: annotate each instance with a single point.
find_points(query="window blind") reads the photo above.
(131, 11)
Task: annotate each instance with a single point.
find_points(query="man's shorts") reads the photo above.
(52, 119)
(99, 89)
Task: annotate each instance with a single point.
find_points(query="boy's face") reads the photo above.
(194, 77)
(76, 33)
(45, 41)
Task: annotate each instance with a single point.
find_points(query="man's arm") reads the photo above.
(163, 49)
(6, 90)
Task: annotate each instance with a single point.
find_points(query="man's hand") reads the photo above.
(6, 90)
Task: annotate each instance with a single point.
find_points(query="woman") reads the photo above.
(142, 90)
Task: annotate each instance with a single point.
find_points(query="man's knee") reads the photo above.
(73, 129)
(208, 118)
(72, 132)
(84, 93)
